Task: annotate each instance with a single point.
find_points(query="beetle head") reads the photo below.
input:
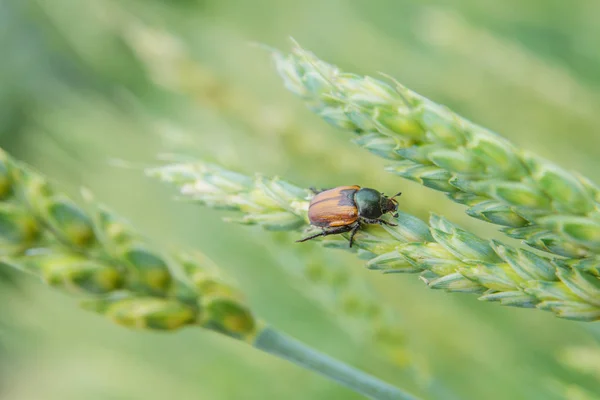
(390, 204)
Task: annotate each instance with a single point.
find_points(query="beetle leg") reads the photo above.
(384, 222)
(353, 232)
(370, 221)
(341, 229)
(379, 221)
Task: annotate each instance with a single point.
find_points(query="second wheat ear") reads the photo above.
(533, 199)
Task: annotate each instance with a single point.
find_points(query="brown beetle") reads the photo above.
(344, 208)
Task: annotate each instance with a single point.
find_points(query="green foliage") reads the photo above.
(125, 81)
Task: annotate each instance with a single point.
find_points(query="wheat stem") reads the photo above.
(285, 347)
(446, 256)
(533, 199)
(119, 274)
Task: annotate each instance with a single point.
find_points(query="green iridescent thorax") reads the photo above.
(369, 203)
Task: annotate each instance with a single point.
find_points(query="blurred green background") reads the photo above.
(84, 83)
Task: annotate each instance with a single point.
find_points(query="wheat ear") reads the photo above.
(532, 198)
(446, 256)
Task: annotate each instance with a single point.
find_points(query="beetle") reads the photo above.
(345, 208)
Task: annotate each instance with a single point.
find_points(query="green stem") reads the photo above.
(276, 343)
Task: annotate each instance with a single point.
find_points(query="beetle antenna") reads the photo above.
(397, 194)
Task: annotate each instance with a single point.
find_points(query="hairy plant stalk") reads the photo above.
(119, 274)
(446, 256)
(533, 199)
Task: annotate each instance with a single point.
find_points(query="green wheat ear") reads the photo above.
(102, 258)
(116, 272)
(446, 256)
(533, 199)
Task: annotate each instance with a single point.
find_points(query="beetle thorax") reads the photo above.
(368, 203)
